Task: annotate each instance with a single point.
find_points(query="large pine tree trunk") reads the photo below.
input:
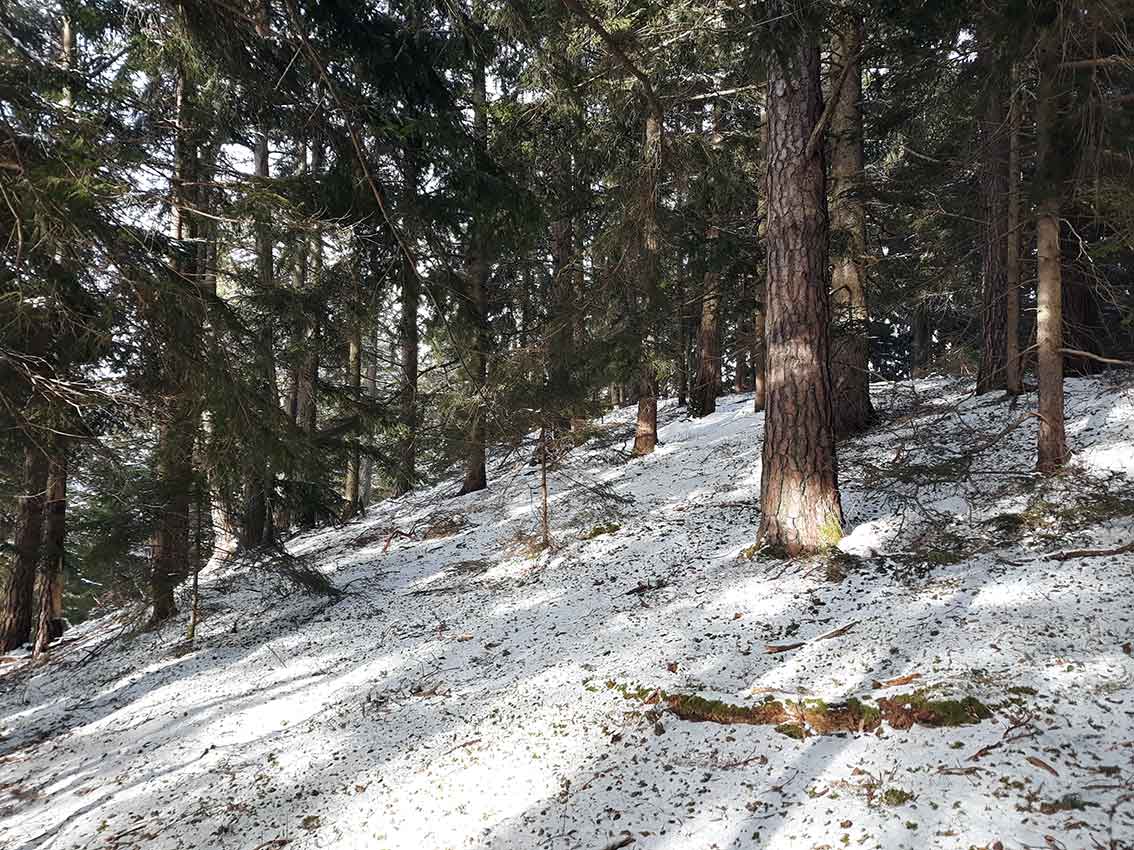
(994, 248)
(850, 346)
(799, 493)
(759, 313)
(50, 619)
(16, 614)
(646, 425)
(1052, 443)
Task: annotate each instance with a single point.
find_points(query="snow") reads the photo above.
(457, 695)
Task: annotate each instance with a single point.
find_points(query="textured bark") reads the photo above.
(759, 314)
(646, 425)
(799, 494)
(850, 344)
(50, 618)
(994, 248)
(16, 613)
(406, 471)
(1013, 378)
(703, 398)
(1052, 442)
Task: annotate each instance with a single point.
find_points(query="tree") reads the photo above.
(16, 614)
(850, 346)
(799, 493)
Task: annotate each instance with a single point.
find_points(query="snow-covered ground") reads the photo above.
(459, 694)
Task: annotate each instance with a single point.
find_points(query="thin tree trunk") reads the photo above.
(477, 271)
(994, 258)
(561, 335)
(1013, 380)
(703, 398)
(19, 587)
(850, 346)
(406, 469)
(50, 620)
(1052, 443)
(799, 493)
(178, 427)
(646, 425)
(352, 481)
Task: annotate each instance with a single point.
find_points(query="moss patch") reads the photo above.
(816, 717)
(601, 529)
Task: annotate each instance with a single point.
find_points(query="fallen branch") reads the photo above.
(834, 633)
(1067, 554)
(646, 587)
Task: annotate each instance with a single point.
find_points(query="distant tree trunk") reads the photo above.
(920, 339)
(367, 485)
(646, 426)
(682, 360)
(561, 332)
(1013, 380)
(306, 402)
(406, 469)
(994, 248)
(703, 398)
(19, 587)
(850, 346)
(799, 492)
(476, 273)
(1052, 443)
(50, 619)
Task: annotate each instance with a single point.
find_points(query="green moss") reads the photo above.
(831, 531)
(601, 529)
(792, 730)
(896, 797)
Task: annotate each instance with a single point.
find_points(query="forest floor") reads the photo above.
(467, 691)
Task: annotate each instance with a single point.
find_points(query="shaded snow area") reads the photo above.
(468, 691)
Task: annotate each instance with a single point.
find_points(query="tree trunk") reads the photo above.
(50, 619)
(703, 398)
(406, 468)
(1013, 379)
(994, 248)
(850, 346)
(561, 331)
(179, 418)
(1052, 443)
(477, 271)
(352, 480)
(16, 615)
(646, 426)
(759, 366)
(683, 346)
(799, 493)
(258, 527)
(759, 313)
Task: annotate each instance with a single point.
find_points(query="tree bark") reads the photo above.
(850, 346)
(646, 425)
(1052, 442)
(405, 473)
(352, 479)
(994, 248)
(703, 398)
(182, 318)
(16, 615)
(799, 493)
(1013, 379)
(476, 273)
(50, 620)
(759, 314)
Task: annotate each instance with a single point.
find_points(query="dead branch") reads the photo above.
(1089, 553)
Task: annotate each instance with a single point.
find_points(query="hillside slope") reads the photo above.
(465, 693)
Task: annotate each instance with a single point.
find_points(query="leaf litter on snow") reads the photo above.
(459, 693)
